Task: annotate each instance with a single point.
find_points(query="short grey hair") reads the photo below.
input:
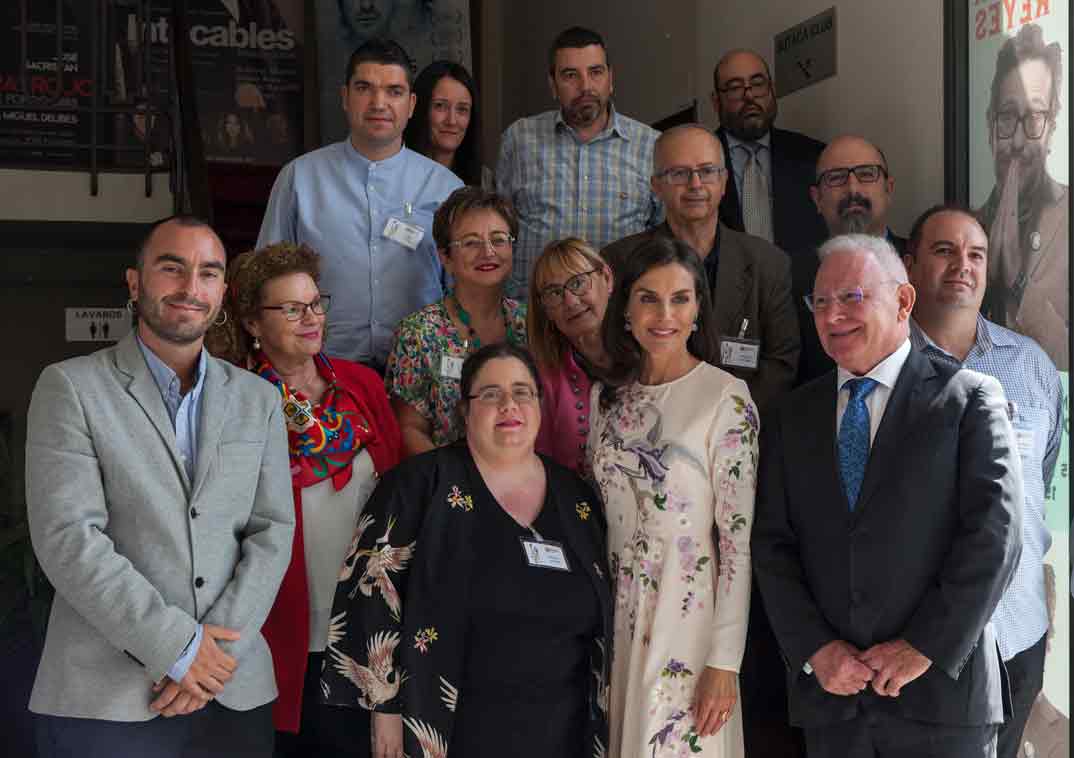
(879, 248)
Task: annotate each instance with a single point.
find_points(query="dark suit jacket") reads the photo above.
(795, 221)
(753, 282)
(813, 361)
(924, 557)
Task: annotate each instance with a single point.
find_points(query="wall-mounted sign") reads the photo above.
(805, 53)
(97, 324)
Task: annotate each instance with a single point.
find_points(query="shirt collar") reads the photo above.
(162, 372)
(733, 141)
(988, 336)
(614, 126)
(365, 163)
(886, 372)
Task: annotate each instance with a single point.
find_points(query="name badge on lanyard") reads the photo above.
(407, 235)
(545, 554)
(740, 351)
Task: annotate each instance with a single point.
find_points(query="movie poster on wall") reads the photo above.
(428, 30)
(1018, 144)
(247, 63)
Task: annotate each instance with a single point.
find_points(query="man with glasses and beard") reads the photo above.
(768, 188)
(1027, 215)
(581, 170)
(852, 192)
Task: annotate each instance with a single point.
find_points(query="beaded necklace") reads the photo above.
(464, 317)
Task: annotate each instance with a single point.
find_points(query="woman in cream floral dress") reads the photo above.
(673, 448)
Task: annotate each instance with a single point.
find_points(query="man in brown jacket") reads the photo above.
(749, 277)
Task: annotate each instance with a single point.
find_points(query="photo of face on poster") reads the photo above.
(427, 30)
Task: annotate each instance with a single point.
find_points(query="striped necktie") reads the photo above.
(756, 204)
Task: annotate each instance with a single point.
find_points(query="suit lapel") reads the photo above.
(730, 207)
(814, 429)
(215, 410)
(909, 399)
(733, 281)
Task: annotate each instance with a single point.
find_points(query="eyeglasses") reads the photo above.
(579, 284)
(866, 173)
(846, 298)
(759, 85)
(474, 245)
(523, 394)
(708, 174)
(293, 310)
(1033, 123)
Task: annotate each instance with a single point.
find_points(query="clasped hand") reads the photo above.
(211, 670)
(843, 669)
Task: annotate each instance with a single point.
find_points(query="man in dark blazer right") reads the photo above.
(887, 528)
(745, 100)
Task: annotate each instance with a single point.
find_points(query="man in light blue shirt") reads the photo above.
(366, 205)
(947, 258)
(581, 170)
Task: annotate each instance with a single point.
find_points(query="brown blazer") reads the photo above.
(753, 282)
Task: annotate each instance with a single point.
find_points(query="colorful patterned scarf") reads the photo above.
(323, 437)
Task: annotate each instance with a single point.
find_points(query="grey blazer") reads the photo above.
(139, 554)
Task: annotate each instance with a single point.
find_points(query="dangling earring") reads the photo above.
(218, 322)
(694, 327)
(132, 306)
(626, 323)
(257, 344)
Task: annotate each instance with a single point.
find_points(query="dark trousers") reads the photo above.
(325, 731)
(212, 732)
(876, 734)
(1025, 672)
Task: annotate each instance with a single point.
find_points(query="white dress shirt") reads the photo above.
(886, 373)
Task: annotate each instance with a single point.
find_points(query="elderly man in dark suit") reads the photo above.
(887, 528)
(749, 278)
(852, 192)
(771, 169)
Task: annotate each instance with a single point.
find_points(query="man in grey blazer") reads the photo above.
(160, 508)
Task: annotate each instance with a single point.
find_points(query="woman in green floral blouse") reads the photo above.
(474, 231)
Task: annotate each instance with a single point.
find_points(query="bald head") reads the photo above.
(744, 96)
(848, 202)
(739, 57)
(689, 134)
(694, 152)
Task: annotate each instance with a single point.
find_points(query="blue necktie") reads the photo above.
(854, 438)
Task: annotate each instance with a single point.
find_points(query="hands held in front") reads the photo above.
(895, 664)
(387, 735)
(210, 671)
(842, 669)
(714, 700)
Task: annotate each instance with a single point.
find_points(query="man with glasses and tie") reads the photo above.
(749, 278)
(772, 169)
(887, 528)
(852, 192)
(1027, 213)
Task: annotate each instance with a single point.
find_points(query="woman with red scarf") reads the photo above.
(342, 437)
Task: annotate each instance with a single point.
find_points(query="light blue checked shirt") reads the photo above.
(562, 187)
(339, 202)
(183, 411)
(1035, 403)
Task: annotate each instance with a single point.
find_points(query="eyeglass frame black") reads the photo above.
(820, 180)
(585, 276)
(747, 86)
(1020, 120)
(324, 301)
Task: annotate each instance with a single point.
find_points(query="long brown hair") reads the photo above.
(622, 348)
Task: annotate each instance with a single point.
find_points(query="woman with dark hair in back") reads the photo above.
(445, 125)
(673, 449)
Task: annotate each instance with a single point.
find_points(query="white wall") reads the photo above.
(65, 196)
(889, 85)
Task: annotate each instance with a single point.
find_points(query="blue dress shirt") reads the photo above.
(183, 412)
(339, 202)
(1035, 404)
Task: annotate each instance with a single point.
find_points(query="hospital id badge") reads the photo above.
(740, 352)
(407, 235)
(545, 554)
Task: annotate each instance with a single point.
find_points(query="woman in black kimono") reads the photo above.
(473, 606)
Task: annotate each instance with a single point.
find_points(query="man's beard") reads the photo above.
(754, 130)
(180, 333)
(856, 220)
(581, 113)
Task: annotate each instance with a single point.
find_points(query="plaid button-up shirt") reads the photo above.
(562, 187)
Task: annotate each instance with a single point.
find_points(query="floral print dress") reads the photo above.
(423, 368)
(676, 468)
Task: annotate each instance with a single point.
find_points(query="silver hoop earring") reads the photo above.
(218, 322)
(132, 306)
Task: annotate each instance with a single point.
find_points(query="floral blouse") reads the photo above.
(423, 368)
